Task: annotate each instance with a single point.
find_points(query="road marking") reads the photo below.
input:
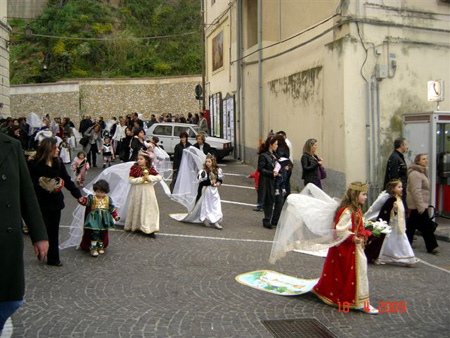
(238, 240)
(237, 186)
(238, 203)
(195, 236)
(7, 329)
(219, 238)
(434, 266)
(230, 174)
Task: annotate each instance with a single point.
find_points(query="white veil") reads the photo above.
(376, 206)
(117, 177)
(185, 190)
(34, 121)
(306, 223)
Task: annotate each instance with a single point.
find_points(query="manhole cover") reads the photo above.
(296, 328)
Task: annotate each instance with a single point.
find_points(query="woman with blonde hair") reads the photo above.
(311, 163)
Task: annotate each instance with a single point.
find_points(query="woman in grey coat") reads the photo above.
(94, 145)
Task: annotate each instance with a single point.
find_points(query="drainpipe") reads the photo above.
(380, 187)
(368, 156)
(260, 93)
(373, 152)
(203, 56)
(239, 104)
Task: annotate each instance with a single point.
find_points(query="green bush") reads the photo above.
(121, 54)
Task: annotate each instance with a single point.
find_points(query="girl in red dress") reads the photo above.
(344, 277)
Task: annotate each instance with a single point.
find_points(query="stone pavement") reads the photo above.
(182, 283)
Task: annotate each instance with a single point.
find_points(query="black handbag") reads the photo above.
(433, 223)
(84, 141)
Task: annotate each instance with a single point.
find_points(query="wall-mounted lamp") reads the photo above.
(46, 62)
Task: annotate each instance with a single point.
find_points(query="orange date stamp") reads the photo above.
(383, 307)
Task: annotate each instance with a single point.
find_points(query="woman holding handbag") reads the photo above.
(312, 165)
(418, 200)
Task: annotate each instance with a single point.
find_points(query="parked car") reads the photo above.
(169, 137)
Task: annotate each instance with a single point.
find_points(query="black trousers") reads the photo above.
(92, 153)
(272, 211)
(51, 220)
(421, 222)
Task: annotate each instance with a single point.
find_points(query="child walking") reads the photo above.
(107, 151)
(100, 217)
(396, 248)
(80, 166)
(344, 276)
(259, 204)
(210, 178)
(143, 210)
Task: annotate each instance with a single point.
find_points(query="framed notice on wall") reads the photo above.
(217, 52)
(228, 118)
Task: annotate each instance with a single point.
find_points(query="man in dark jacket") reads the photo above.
(202, 145)
(396, 165)
(19, 202)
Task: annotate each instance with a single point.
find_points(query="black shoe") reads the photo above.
(267, 226)
(59, 264)
(152, 235)
(274, 225)
(257, 209)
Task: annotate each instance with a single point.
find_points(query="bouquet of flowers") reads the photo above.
(378, 227)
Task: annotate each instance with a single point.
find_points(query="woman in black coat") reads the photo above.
(310, 163)
(17, 201)
(266, 188)
(46, 164)
(184, 143)
(137, 143)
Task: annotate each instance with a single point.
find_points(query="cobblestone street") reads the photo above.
(182, 283)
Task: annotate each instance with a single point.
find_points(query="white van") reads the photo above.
(169, 136)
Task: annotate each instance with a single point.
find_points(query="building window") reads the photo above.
(252, 22)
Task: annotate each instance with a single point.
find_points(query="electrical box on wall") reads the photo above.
(381, 71)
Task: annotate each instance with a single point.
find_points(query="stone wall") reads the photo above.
(26, 9)
(4, 65)
(56, 99)
(107, 98)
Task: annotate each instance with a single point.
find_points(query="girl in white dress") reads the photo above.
(396, 248)
(143, 210)
(210, 178)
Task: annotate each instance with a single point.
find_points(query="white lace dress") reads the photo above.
(143, 210)
(211, 207)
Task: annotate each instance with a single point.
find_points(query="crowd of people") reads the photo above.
(407, 190)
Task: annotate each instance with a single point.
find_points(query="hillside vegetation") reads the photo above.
(111, 44)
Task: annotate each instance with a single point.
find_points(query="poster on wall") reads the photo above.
(211, 114)
(217, 115)
(225, 118)
(217, 52)
(228, 118)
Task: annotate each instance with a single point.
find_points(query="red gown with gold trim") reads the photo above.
(344, 276)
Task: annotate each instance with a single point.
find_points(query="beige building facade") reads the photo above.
(5, 30)
(342, 72)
